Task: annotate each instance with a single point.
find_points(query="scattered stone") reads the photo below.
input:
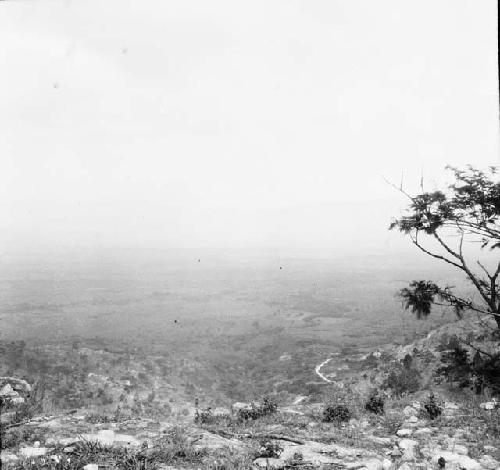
(380, 440)
(459, 449)
(489, 463)
(7, 417)
(7, 457)
(91, 466)
(409, 411)
(416, 405)
(489, 405)
(17, 400)
(405, 466)
(109, 437)
(32, 451)
(269, 463)
(211, 441)
(364, 423)
(69, 449)
(396, 453)
(316, 454)
(449, 405)
(7, 391)
(423, 431)
(13, 387)
(386, 464)
(457, 460)
(489, 448)
(240, 406)
(374, 464)
(413, 419)
(409, 448)
(404, 432)
(221, 412)
(65, 441)
(460, 433)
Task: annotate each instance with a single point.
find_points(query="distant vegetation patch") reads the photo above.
(403, 378)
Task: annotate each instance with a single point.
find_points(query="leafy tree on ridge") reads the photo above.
(470, 210)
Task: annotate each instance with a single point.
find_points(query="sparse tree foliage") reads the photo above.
(468, 211)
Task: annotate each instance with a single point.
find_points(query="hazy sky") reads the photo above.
(211, 124)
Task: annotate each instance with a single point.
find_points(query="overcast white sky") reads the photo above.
(210, 124)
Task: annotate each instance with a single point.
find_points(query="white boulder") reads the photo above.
(33, 451)
(453, 459)
(489, 463)
(410, 448)
(489, 405)
(410, 411)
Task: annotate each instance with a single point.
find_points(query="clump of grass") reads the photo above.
(269, 449)
(97, 418)
(267, 407)
(172, 448)
(34, 404)
(392, 422)
(231, 459)
(13, 437)
(296, 460)
(206, 416)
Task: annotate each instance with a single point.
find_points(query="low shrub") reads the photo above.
(269, 449)
(392, 422)
(173, 448)
(478, 371)
(431, 409)
(206, 416)
(296, 460)
(96, 418)
(229, 458)
(375, 404)
(267, 407)
(10, 438)
(336, 414)
(404, 378)
(33, 404)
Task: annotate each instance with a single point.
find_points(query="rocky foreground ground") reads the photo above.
(463, 434)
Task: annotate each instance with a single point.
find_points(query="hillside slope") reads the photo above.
(455, 429)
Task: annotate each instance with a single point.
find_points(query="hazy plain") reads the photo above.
(165, 300)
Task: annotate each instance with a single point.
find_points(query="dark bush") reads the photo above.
(269, 449)
(97, 418)
(477, 372)
(431, 409)
(206, 416)
(266, 407)
(403, 378)
(375, 404)
(336, 414)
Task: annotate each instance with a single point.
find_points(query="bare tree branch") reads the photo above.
(414, 239)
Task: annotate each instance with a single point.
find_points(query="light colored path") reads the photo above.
(299, 399)
(318, 370)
